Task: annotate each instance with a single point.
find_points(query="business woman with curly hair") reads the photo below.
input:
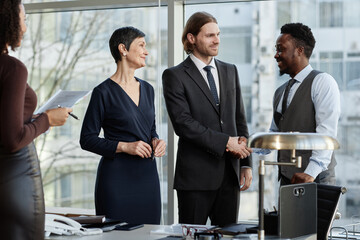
(21, 191)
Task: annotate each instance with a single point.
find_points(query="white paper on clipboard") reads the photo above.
(64, 99)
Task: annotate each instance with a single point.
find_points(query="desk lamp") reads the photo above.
(285, 141)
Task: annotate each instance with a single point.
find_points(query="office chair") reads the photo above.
(327, 205)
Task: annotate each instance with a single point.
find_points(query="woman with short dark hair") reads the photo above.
(22, 198)
(127, 184)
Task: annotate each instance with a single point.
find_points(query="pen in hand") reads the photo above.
(71, 114)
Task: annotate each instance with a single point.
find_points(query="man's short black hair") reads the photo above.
(302, 35)
(124, 35)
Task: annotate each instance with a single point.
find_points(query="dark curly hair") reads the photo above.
(193, 26)
(302, 35)
(10, 33)
(124, 35)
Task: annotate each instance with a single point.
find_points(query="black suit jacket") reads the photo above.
(203, 129)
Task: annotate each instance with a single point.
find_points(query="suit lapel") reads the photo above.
(222, 71)
(195, 75)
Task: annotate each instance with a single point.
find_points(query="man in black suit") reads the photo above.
(204, 102)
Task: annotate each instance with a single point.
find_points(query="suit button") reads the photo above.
(282, 118)
(221, 121)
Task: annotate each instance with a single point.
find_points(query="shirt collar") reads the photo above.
(303, 73)
(200, 64)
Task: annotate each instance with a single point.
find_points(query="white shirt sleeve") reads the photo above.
(325, 95)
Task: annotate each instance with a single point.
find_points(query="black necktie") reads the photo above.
(286, 94)
(212, 85)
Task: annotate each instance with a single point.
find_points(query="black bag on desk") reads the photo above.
(271, 220)
(271, 223)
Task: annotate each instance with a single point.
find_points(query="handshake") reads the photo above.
(238, 147)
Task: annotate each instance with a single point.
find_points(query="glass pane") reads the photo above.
(331, 14)
(332, 63)
(352, 16)
(238, 38)
(69, 51)
(353, 75)
(296, 11)
(335, 69)
(259, 76)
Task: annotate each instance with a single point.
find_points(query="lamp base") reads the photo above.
(261, 235)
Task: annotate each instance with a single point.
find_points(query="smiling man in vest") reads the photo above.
(308, 102)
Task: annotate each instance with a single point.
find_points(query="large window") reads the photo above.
(68, 50)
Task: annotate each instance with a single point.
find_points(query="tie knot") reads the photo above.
(291, 82)
(207, 68)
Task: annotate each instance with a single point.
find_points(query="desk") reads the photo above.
(142, 234)
(137, 234)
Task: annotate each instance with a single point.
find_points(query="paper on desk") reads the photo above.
(176, 229)
(64, 99)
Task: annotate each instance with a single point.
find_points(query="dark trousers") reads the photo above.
(220, 205)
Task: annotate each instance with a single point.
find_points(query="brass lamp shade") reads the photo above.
(292, 140)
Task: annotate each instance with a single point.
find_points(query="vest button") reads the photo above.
(221, 121)
(282, 118)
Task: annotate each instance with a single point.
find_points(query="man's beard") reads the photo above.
(283, 71)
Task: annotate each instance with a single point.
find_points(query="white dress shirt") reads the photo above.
(200, 65)
(325, 95)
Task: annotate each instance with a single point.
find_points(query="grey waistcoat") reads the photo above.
(298, 117)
